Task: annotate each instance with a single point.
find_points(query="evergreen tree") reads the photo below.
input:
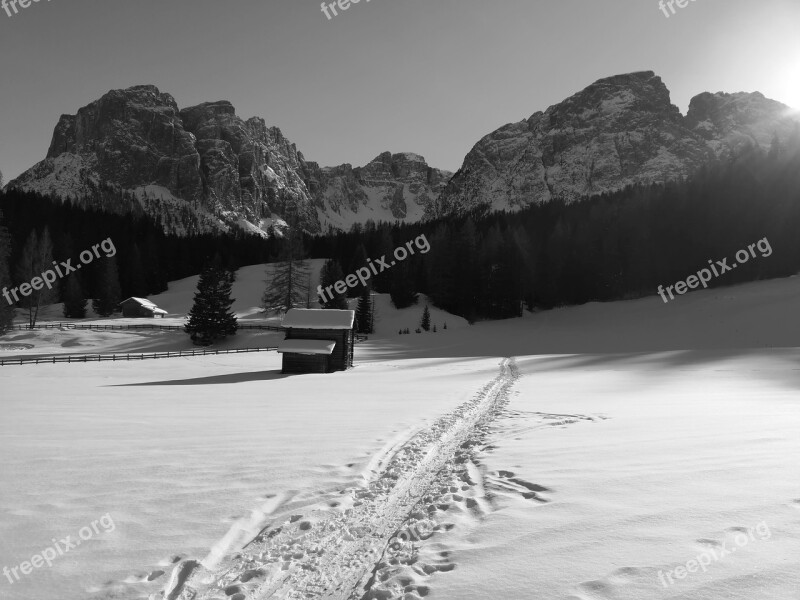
(402, 288)
(359, 261)
(36, 258)
(365, 319)
(6, 309)
(425, 323)
(210, 318)
(331, 273)
(133, 279)
(156, 277)
(108, 293)
(74, 299)
(286, 284)
(385, 247)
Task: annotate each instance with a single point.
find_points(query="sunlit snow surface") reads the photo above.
(619, 454)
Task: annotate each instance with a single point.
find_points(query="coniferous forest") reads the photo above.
(483, 266)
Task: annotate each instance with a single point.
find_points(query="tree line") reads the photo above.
(612, 246)
(36, 230)
(481, 265)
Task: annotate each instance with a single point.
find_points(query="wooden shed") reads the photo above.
(141, 308)
(317, 341)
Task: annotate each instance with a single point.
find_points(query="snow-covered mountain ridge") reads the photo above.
(619, 131)
(203, 168)
(229, 172)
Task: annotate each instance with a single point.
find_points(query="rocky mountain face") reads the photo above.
(203, 168)
(393, 187)
(619, 131)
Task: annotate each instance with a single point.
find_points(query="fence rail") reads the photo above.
(132, 327)
(78, 358)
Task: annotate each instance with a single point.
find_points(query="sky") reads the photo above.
(424, 76)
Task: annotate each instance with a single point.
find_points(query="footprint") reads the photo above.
(598, 587)
(624, 575)
(155, 575)
(252, 574)
(708, 543)
(737, 529)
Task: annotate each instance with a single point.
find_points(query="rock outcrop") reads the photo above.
(203, 168)
(206, 162)
(619, 131)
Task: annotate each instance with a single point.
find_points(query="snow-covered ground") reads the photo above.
(623, 440)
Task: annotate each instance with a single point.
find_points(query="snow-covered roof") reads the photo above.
(317, 318)
(142, 301)
(307, 346)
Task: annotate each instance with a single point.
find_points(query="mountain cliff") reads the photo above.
(203, 168)
(619, 131)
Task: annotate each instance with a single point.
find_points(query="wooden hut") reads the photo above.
(141, 308)
(317, 341)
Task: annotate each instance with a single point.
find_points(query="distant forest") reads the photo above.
(485, 266)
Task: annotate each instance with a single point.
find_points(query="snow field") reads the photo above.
(617, 455)
(179, 450)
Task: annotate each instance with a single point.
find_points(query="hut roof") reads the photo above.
(307, 346)
(144, 303)
(315, 318)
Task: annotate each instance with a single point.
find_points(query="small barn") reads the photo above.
(317, 341)
(141, 309)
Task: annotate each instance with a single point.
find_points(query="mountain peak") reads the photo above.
(619, 131)
(203, 168)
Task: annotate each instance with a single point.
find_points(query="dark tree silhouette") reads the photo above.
(210, 318)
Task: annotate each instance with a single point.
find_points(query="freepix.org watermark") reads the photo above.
(364, 274)
(8, 5)
(705, 275)
(49, 277)
(329, 8)
(59, 548)
(704, 560)
(663, 4)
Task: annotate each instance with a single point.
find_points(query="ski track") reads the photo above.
(367, 545)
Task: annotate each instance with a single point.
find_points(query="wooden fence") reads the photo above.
(82, 358)
(133, 327)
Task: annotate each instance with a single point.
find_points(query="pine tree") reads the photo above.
(401, 288)
(359, 260)
(365, 321)
(156, 278)
(74, 299)
(36, 258)
(6, 309)
(426, 319)
(108, 293)
(286, 284)
(331, 273)
(210, 318)
(134, 279)
(382, 281)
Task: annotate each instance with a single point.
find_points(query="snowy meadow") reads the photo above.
(601, 458)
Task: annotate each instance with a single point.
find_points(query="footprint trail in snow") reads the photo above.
(368, 546)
